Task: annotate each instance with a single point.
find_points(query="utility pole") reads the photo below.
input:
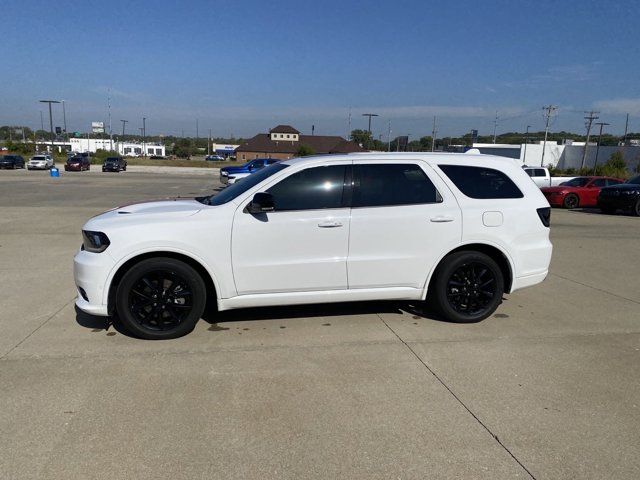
(41, 121)
(626, 127)
(433, 135)
(349, 132)
(144, 136)
(110, 130)
(526, 140)
(209, 143)
(389, 137)
(369, 130)
(64, 119)
(602, 124)
(124, 122)
(548, 111)
(590, 117)
(50, 119)
(197, 133)
(495, 125)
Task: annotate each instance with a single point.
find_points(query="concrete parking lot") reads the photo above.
(547, 388)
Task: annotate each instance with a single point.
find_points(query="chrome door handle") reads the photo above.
(441, 219)
(330, 224)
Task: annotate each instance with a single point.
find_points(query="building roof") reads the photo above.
(319, 143)
(283, 129)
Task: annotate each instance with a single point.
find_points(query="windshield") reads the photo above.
(38, 158)
(576, 182)
(112, 160)
(635, 180)
(238, 188)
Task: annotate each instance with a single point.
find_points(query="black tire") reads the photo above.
(468, 287)
(571, 201)
(178, 304)
(636, 209)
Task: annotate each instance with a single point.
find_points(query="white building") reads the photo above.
(130, 149)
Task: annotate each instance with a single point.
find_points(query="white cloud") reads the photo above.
(619, 105)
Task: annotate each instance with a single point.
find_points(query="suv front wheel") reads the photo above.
(160, 298)
(468, 287)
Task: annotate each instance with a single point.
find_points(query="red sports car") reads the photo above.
(578, 192)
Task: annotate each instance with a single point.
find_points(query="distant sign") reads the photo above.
(58, 130)
(97, 127)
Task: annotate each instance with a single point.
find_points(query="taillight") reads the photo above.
(545, 215)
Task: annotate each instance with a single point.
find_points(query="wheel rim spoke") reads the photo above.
(160, 300)
(471, 288)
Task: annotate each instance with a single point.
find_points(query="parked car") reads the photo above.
(543, 178)
(625, 196)
(578, 192)
(214, 158)
(229, 175)
(77, 163)
(11, 161)
(157, 157)
(458, 229)
(40, 162)
(114, 164)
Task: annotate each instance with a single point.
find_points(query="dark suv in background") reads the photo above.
(77, 163)
(114, 164)
(11, 161)
(625, 196)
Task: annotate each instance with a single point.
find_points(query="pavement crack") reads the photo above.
(596, 288)
(37, 328)
(459, 400)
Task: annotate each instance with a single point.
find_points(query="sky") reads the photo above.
(241, 67)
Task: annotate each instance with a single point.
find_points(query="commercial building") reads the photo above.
(91, 145)
(284, 142)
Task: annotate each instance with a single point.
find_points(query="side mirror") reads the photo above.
(262, 202)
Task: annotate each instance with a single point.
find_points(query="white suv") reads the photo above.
(40, 162)
(457, 229)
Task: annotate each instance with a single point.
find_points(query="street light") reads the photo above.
(526, 140)
(370, 115)
(50, 119)
(602, 124)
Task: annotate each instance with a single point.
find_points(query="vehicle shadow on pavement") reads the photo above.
(212, 316)
(596, 211)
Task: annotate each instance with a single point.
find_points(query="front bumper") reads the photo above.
(37, 166)
(623, 202)
(73, 168)
(90, 272)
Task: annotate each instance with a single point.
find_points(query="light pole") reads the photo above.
(526, 140)
(50, 119)
(370, 115)
(64, 117)
(602, 124)
(144, 136)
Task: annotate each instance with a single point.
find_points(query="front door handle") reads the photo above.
(441, 219)
(331, 224)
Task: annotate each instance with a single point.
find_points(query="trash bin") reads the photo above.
(54, 172)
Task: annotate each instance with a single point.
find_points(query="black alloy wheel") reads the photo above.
(571, 201)
(468, 287)
(160, 298)
(636, 208)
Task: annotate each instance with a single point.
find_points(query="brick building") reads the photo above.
(284, 141)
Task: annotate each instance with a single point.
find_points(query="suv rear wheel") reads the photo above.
(468, 287)
(160, 298)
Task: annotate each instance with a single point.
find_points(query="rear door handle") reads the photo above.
(331, 224)
(441, 219)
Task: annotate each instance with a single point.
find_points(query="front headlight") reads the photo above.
(95, 242)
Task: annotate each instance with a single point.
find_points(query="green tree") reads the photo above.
(361, 137)
(615, 166)
(304, 151)
(183, 148)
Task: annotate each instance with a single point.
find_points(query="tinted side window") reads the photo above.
(310, 189)
(480, 182)
(600, 182)
(529, 172)
(611, 181)
(392, 184)
(539, 173)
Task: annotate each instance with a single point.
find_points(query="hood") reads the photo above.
(234, 169)
(622, 186)
(557, 189)
(173, 207)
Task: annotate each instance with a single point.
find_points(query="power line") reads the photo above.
(590, 117)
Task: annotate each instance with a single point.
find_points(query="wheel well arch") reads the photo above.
(494, 252)
(195, 264)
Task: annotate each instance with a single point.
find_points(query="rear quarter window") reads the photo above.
(481, 182)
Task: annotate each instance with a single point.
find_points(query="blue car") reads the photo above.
(229, 175)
